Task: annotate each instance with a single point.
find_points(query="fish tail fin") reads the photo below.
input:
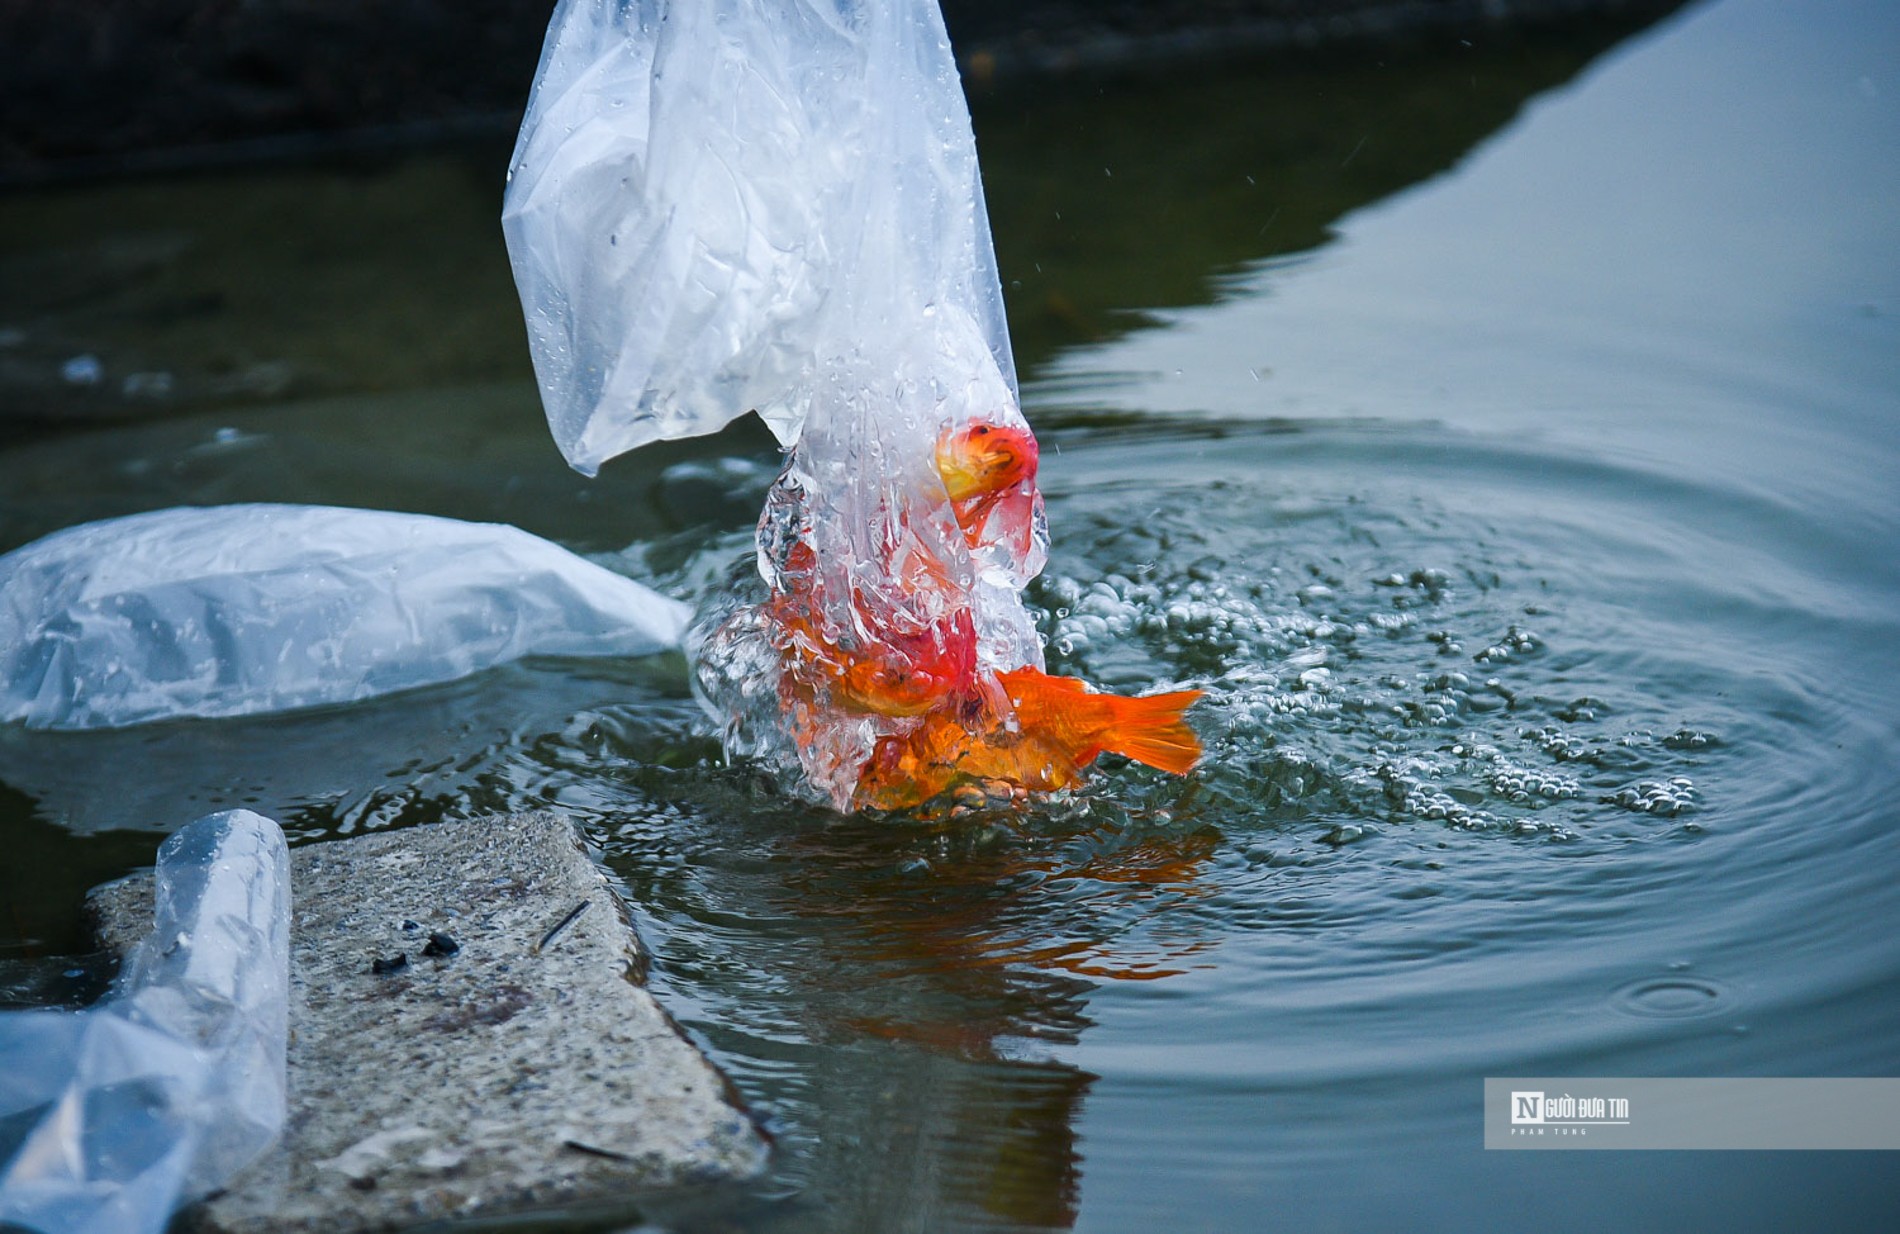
(1152, 730)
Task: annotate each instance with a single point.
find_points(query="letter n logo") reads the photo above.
(1527, 1107)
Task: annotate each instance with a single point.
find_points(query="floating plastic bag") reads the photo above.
(236, 610)
(112, 1116)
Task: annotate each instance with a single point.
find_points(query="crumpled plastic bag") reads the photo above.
(713, 202)
(718, 206)
(238, 610)
(112, 1116)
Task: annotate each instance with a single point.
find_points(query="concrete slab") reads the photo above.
(468, 1038)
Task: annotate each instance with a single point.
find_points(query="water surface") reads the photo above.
(1531, 531)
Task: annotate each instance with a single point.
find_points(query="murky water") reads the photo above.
(1533, 539)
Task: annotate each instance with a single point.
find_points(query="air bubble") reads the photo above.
(1667, 798)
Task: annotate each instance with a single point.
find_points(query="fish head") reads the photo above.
(984, 459)
(989, 471)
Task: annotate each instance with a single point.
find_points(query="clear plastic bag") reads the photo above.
(237, 610)
(719, 206)
(713, 202)
(111, 1116)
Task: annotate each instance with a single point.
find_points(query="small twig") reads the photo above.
(589, 1149)
(560, 925)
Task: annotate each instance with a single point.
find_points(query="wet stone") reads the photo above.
(519, 1067)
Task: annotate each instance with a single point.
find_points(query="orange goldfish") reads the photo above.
(907, 674)
(880, 665)
(1058, 727)
(945, 718)
(983, 466)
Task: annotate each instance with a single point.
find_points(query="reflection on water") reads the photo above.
(1115, 200)
(1530, 540)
